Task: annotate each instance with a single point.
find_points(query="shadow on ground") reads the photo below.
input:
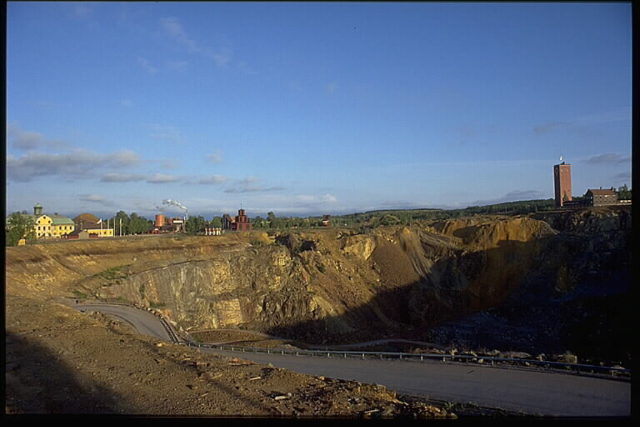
(38, 382)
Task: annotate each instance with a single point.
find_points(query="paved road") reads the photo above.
(144, 322)
(529, 391)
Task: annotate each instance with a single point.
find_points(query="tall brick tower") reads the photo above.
(562, 183)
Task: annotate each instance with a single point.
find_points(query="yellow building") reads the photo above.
(50, 226)
(61, 225)
(93, 225)
(42, 226)
(100, 232)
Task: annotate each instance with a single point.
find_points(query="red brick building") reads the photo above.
(242, 222)
(562, 183)
(239, 223)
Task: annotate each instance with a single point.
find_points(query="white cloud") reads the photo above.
(160, 178)
(76, 164)
(607, 159)
(583, 121)
(167, 133)
(329, 198)
(214, 179)
(325, 198)
(120, 177)
(28, 140)
(215, 157)
(95, 198)
(91, 198)
(145, 64)
(250, 185)
(122, 158)
(624, 177)
(549, 126)
(513, 196)
(174, 29)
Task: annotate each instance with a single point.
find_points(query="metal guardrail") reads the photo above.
(382, 355)
(420, 357)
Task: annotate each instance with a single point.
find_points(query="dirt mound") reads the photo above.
(482, 233)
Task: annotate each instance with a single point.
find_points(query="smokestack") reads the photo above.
(177, 204)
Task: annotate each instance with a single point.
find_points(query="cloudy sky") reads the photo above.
(311, 108)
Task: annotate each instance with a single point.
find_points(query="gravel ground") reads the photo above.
(60, 361)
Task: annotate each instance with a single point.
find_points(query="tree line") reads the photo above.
(20, 226)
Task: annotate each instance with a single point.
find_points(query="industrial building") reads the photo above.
(593, 197)
(239, 223)
(601, 197)
(163, 224)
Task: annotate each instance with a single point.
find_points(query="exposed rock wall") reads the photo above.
(331, 284)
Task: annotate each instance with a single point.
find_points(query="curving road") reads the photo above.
(529, 391)
(146, 323)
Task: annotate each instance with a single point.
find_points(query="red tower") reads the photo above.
(242, 222)
(562, 183)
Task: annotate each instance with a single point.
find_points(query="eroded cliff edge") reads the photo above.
(522, 283)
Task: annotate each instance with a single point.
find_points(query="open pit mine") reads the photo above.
(547, 283)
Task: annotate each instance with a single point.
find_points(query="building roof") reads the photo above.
(60, 220)
(86, 217)
(55, 219)
(601, 192)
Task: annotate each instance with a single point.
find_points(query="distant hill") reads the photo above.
(379, 217)
(404, 216)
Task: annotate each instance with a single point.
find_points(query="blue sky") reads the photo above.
(311, 108)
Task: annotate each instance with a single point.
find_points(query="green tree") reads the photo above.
(273, 221)
(19, 227)
(138, 224)
(195, 224)
(216, 222)
(624, 193)
(258, 222)
(121, 223)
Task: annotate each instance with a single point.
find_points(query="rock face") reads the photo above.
(574, 297)
(335, 285)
